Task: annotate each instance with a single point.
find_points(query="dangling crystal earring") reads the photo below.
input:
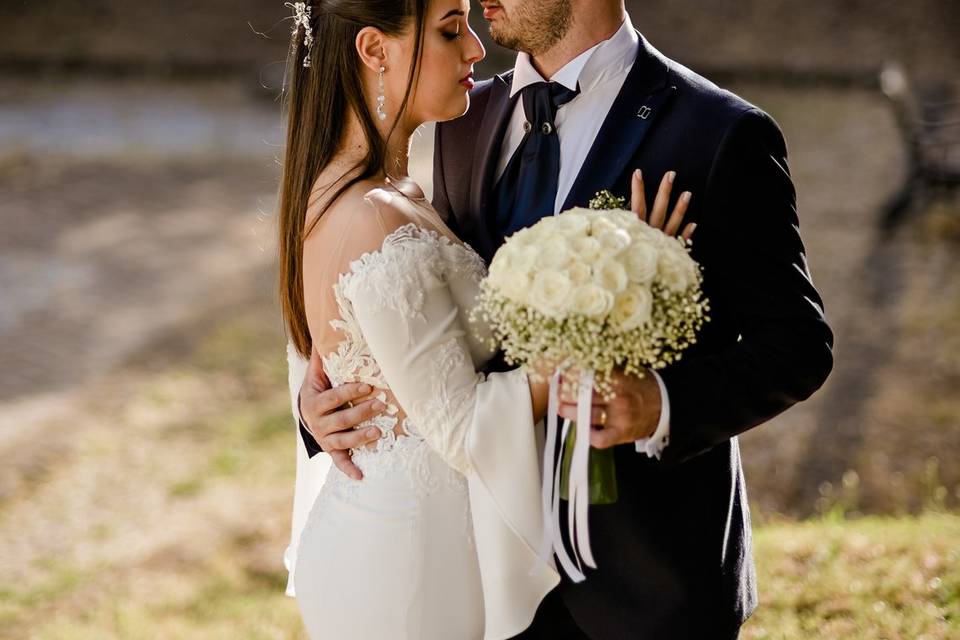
(381, 96)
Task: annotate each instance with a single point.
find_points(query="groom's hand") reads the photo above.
(633, 413)
(332, 414)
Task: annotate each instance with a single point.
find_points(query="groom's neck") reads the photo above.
(593, 22)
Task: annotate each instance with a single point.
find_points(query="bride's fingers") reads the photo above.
(676, 218)
(688, 231)
(659, 213)
(638, 201)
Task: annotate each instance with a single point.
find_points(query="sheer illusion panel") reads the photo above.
(368, 274)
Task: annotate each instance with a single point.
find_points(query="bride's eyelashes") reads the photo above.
(451, 36)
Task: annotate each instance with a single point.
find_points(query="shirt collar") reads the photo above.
(610, 57)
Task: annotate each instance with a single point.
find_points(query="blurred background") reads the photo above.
(146, 443)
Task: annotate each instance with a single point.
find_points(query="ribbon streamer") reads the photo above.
(579, 482)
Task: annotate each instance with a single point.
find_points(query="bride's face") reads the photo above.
(450, 49)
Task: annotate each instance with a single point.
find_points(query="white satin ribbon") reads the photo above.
(578, 482)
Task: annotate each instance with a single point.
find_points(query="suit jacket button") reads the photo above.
(547, 128)
(526, 127)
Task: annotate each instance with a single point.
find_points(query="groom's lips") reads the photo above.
(490, 10)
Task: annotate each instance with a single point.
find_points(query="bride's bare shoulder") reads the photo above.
(364, 206)
(356, 222)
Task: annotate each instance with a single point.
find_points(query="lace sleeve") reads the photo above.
(401, 301)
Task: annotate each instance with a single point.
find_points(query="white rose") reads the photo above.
(520, 238)
(633, 307)
(550, 292)
(601, 225)
(676, 270)
(653, 233)
(625, 219)
(611, 275)
(501, 267)
(570, 223)
(640, 260)
(579, 272)
(516, 287)
(592, 300)
(554, 254)
(524, 259)
(615, 241)
(586, 248)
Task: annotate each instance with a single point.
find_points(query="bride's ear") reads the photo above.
(371, 49)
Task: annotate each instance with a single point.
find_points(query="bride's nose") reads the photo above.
(474, 50)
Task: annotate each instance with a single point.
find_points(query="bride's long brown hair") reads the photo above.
(319, 99)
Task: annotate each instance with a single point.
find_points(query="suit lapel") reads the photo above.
(642, 99)
(486, 154)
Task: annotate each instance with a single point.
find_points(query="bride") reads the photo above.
(438, 540)
(374, 280)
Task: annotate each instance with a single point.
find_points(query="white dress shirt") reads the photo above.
(600, 71)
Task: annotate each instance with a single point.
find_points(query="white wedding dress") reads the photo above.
(438, 541)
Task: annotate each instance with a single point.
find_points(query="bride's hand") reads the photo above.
(638, 204)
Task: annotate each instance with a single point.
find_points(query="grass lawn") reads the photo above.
(168, 515)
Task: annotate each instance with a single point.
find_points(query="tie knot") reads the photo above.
(542, 99)
(560, 95)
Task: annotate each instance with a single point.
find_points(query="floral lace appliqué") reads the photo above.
(439, 417)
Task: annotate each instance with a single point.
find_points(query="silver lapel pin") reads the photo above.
(644, 112)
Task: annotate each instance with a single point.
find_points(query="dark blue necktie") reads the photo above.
(527, 190)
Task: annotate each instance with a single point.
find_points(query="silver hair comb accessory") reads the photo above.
(301, 18)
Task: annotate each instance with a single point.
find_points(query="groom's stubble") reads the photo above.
(532, 26)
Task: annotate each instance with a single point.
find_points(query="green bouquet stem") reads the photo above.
(601, 471)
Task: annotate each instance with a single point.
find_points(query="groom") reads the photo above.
(674, 552)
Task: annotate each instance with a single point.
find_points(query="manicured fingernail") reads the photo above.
(365, 388)
(671, 176)
(373, 433)
(686, 196)
(638, 174)
(378, 406)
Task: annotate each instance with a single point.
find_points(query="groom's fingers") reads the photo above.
(350, 439)
(659, 212)
(606, 437)
(343, 461)
(349, 417)
(598, 413)
(638, 201)
(332, 399)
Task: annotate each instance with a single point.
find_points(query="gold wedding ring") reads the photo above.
(603, 416)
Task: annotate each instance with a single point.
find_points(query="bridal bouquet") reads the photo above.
(591, 290)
